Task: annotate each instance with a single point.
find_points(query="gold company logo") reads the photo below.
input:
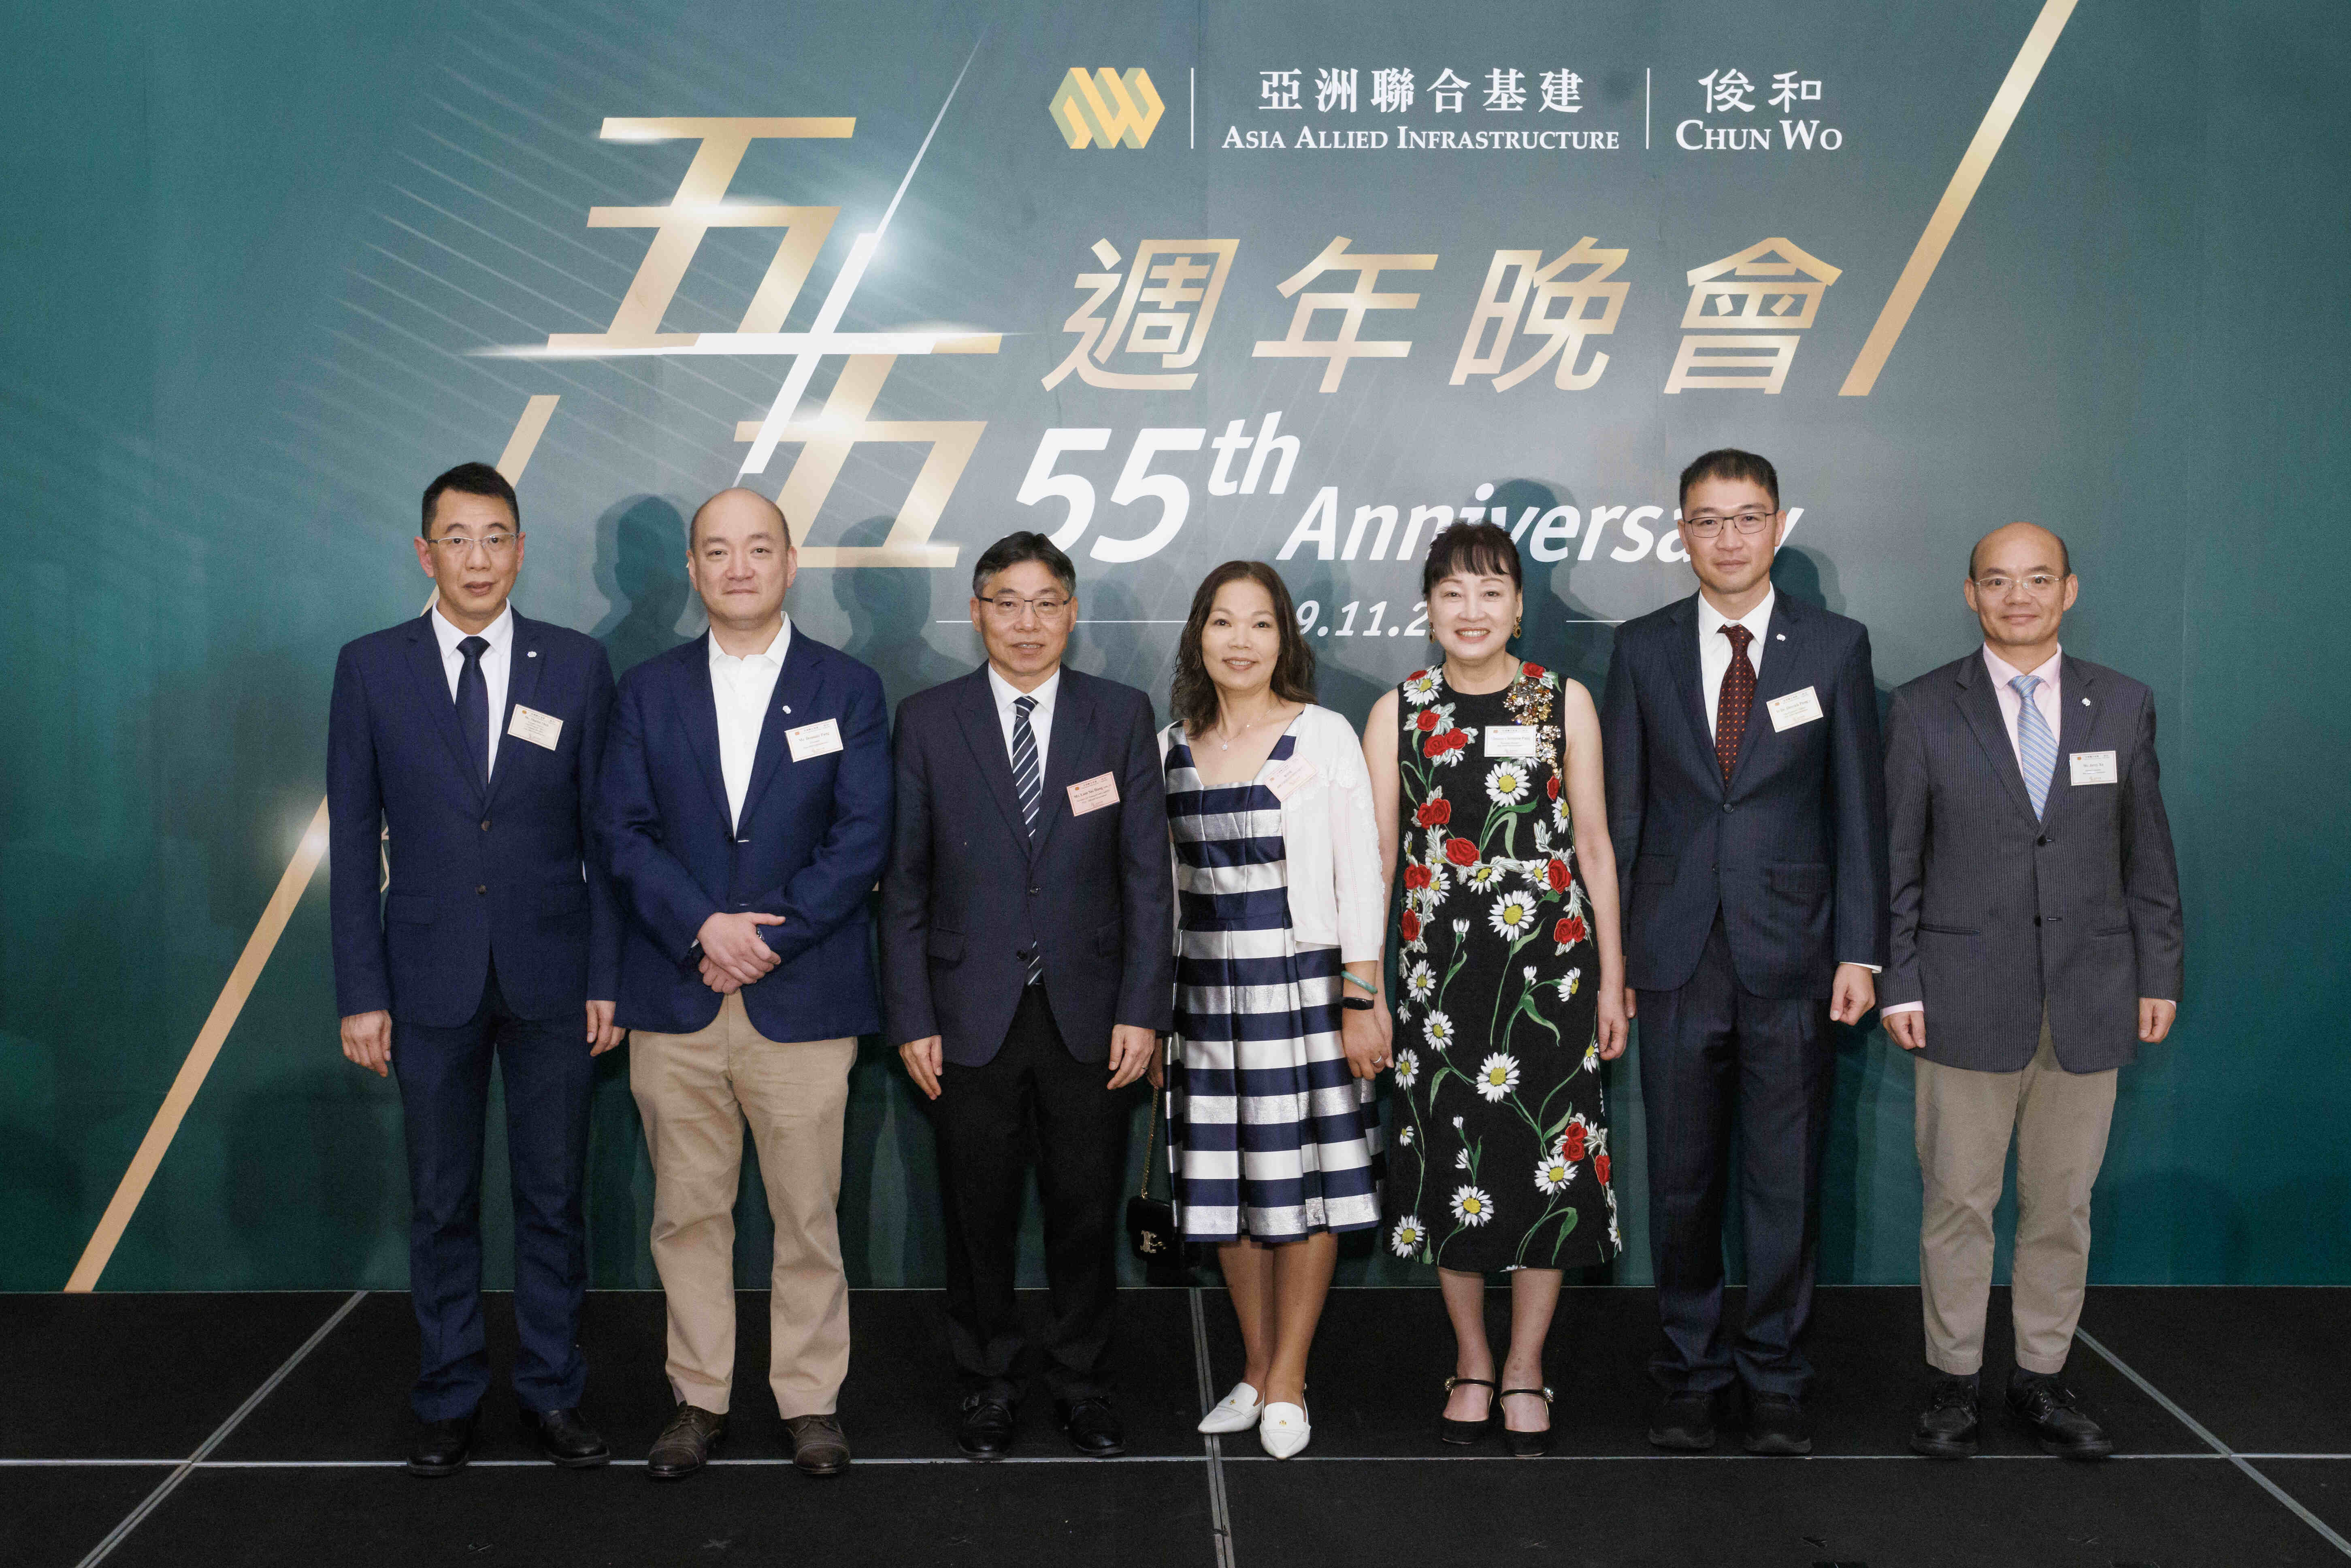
(1106, 110)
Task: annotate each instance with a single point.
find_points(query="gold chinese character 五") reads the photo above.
(1768, 293)
(1365, 296)
(1563, 312)
(1167, 302)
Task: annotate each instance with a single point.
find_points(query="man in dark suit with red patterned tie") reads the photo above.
(1747, 803)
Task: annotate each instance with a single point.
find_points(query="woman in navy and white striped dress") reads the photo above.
(1278, 921)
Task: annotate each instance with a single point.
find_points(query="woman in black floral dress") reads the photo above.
(1486, 772)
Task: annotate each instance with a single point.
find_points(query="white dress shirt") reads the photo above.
(1040, 718)
(742, 690)
(1714, 648)
(2011, 707)
(497, 663)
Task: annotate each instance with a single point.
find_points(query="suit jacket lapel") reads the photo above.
(975, 712)
(698, 710)
(523, 662)
(797, 687)
(433, 690)
(1073, 721)
(2077, 720)
(1681, 657)
(1981, 704)
(1789, 660)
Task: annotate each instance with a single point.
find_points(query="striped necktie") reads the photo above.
(1030, 780)
(2035, 747)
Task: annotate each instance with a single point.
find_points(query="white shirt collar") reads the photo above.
(1005, 691)
(499, 634)
(1710, 621)
(2002, 672)
(773, 654)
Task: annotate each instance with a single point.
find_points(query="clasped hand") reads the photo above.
(732, 953)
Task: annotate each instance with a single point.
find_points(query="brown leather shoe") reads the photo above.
(685, 1443)
(819, 1448)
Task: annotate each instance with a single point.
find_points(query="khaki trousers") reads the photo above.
(2060, 1120)
(696, 1093)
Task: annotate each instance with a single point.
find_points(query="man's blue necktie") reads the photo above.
(2034, 744)
(474, 708)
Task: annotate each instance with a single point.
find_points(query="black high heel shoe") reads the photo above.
(1464, 1433)
(1525, 1444)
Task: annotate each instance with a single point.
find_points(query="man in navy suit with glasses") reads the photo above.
(471, 738)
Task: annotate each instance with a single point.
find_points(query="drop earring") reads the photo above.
(1517, 626)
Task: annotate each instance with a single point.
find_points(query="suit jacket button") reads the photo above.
(2042, 841)
(486, 824)
(1032, 892)
(483, 888)
(2036, 920)
(1726, 805)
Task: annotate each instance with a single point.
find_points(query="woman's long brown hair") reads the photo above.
(1194, 694)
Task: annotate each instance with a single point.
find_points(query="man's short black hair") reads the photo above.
(469, 479)
(2064, 556)
(1012, 550)
(1729, 462)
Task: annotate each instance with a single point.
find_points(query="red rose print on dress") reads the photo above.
(1532, 672)
(1416, 877)
(1600, 1168)
(1461, 852)
(1411, 926)
(1427, 720)
(1550, 786)
(1555, 874)
(1569, 931)
(1571, 1143)
(1434, 813)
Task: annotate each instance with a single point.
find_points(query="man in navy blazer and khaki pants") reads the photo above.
(2036, 945)
(746, 813)
(470, 737)
(1746, 798)
(1028, 950)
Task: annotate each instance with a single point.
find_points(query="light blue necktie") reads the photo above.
(2034, 744)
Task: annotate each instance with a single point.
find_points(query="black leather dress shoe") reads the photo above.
(2047, 1408)
(684, 1445)
(819, 1448)
(564, 1438)
(984, 1430)
(1093, 1427)
(1776, 1424)
(1685, 1422)
(1948, 1426)
(442, 1447)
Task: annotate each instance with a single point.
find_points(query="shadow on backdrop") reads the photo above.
(640, 568)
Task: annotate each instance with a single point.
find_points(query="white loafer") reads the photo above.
(1284, 1429)
(1235, 1412)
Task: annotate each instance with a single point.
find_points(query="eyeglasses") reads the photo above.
(2040, 584)
(1008, 606)
(463, 544)
(1708, 525)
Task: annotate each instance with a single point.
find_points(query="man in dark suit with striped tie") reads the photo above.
(1028, 967)
(2036, 945)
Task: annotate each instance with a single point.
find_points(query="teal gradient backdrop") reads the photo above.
(256, 252)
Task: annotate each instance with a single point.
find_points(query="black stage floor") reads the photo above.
(269, 1429)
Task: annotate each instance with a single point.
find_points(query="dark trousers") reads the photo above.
(1712, 1054)
(1032, 1097)
(444, 1096)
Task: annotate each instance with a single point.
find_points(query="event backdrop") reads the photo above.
(1178, 283)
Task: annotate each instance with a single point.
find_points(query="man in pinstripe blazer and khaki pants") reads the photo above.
(2036, 945)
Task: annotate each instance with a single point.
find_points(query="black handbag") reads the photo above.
(1151, 1221)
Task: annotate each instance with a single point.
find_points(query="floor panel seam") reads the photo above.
(2220, 1449)
(220, 1435)
(1221, 1519)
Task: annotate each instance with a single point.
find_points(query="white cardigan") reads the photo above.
(1331, 840)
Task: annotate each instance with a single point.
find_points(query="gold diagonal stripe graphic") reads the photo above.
(251, 962)
(1956, 197)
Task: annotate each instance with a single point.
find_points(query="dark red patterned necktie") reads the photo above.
(1738, 697)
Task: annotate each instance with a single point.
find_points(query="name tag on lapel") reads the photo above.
(1795, 709)
(2094, 767)
(819, 739)
(545, 729)
(1292, 777)
(1092, 794)
(1509, 740)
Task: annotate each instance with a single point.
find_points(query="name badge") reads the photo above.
(819, 739)
(1509, 740)
(545, 729)
(1289, 778)
(1795, 709)
(1092, 794)
(2094, 767)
